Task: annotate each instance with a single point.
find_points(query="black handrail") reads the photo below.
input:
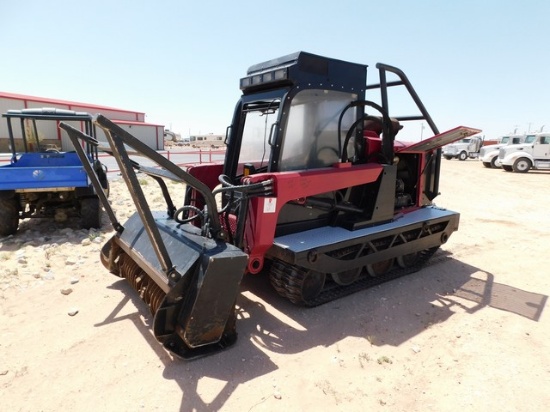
(404, 81)
(434, 161)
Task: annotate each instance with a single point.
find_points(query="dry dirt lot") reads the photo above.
(470, 332)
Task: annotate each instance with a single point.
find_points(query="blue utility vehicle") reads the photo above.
(42, 180)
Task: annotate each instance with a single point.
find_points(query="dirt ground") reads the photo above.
(469, 332)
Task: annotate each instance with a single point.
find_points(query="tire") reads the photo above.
(487, 165)
(522, 165)
(507, 168)
(448, 157)
(462, 156)
(9, 216)
(103, 180)
(90, 213)
(494, 162)
(104, 183)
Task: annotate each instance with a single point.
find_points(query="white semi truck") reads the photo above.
(489, 154)
(463, 149)
(534, 153)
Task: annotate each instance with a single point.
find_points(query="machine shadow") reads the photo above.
(389, 314)
(245, 362)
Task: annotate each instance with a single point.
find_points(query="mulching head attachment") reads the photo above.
(187, 274)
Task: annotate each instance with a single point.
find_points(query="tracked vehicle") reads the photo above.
(314, 192)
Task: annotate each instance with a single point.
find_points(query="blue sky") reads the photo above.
(478, 63)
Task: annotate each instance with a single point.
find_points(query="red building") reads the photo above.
(133, 122)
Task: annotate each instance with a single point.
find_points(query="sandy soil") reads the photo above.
(470, 332)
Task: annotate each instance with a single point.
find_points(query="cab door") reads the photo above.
(542, 149)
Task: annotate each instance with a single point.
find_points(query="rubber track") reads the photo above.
(287, 281)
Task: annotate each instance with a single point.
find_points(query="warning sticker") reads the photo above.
(270, 204)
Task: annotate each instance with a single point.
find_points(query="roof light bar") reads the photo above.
(257, 79)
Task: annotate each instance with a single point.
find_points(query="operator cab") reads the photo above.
(294, 114)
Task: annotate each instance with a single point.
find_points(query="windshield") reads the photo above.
(505, 139)
(530, 138)
(259, 120)
(311, 135)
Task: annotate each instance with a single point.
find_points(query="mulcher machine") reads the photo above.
(314, 192)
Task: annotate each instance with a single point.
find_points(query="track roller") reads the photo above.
(299, 284)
